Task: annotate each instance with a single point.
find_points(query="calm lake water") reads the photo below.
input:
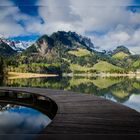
(122, 90)
(15, 119)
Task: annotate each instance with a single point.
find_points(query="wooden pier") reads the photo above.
(87, 114)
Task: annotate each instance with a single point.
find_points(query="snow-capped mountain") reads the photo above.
(18, 46)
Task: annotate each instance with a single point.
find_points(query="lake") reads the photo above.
(15, 119)
(119, 89)
(24, 113)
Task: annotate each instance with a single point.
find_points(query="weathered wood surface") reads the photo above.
(87, 114)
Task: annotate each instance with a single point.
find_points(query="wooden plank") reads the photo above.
(87, 114)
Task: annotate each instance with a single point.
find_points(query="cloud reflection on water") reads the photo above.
(133, 102)
(22, 120)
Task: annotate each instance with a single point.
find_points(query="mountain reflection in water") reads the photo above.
(119, 89)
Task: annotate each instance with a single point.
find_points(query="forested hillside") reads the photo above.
(69, 52)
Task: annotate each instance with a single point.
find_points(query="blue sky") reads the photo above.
(108, 23)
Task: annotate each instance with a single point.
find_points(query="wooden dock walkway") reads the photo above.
(87, 114)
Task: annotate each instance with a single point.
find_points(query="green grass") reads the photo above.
(104, 66)
(136, 85)
(120, 55)
(101, 66)
(76, 67)
(136, 64)
(80, 52)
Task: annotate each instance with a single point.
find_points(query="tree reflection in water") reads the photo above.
(118, 89)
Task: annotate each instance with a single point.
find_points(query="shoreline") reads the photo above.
(18, 75)
(130, 75)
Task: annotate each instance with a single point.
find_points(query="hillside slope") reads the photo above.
(71, 52)
(58, 43)
(104, 66)
(5, 49)
(120, 55)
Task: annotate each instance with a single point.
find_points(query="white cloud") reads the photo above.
(126, 37)
(133, 102)
(120, 26)
(58, 15)
(83, 16)
(8, 23)
(22, 119)
(6, 3)
(90, 2)
(108, 17)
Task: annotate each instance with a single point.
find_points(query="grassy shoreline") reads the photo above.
(16, 75)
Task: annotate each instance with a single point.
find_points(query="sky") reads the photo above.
(108, 23)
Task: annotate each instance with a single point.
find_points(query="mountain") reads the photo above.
(120, 53)
(5, 49)
(73, 52)
(18, 46)
(104, 66)
(69, 52)
(121, 49)
(58, 43)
